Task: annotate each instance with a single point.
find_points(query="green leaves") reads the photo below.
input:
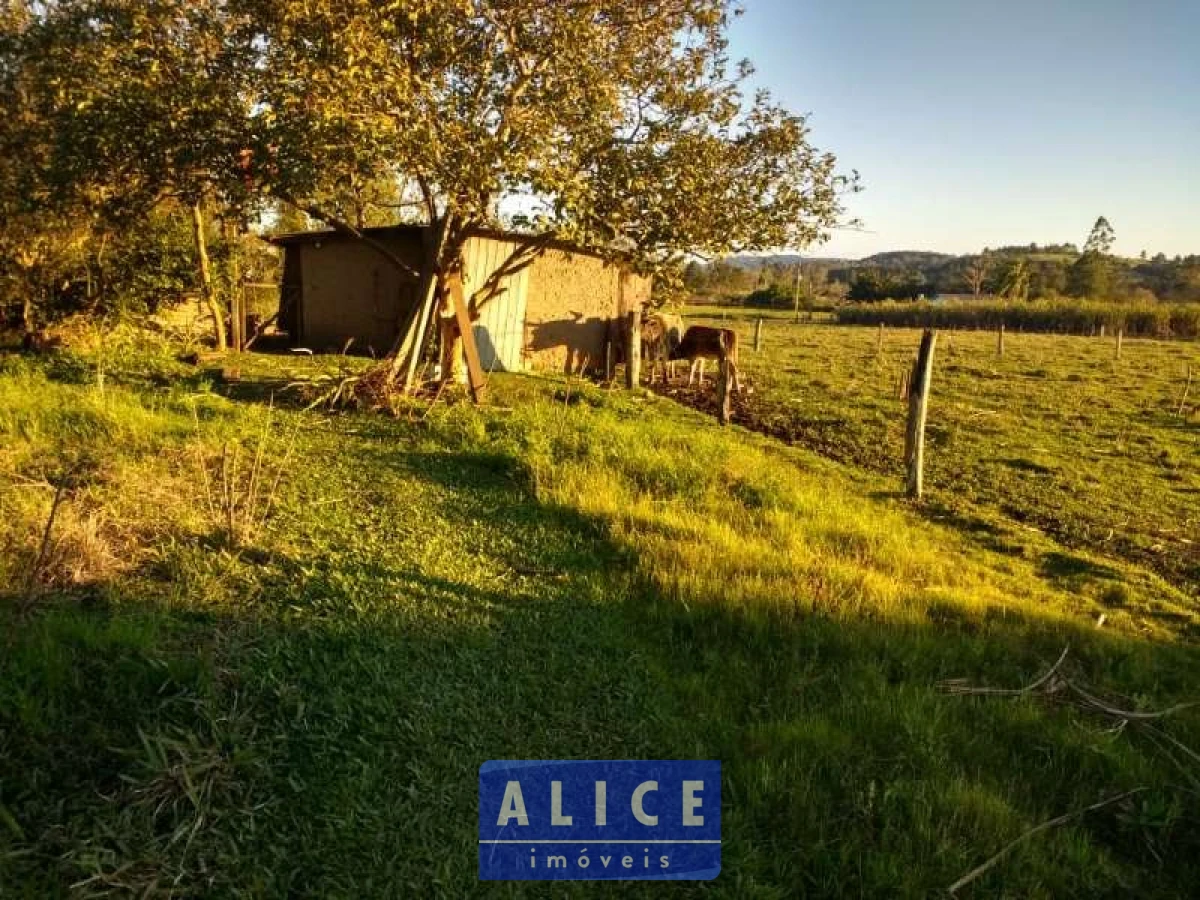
(1101, 238)
(625, 127)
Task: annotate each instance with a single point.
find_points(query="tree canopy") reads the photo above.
(624, 127)
(1101, 238)
(1094, 273)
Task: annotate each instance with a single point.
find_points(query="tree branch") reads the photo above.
(523, 256)
(1038, 829)
(349, 230)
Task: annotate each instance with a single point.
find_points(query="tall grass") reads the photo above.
(572, 573)
(738, 526)
(1160, 320)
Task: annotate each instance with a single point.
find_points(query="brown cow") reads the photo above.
(661, 334)
(701, 342)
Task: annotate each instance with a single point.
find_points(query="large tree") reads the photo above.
(622, 124)
(977, 272)
(1101, 237)
(1094, 273)
(42, 231)
(1014, 280)
(148, 103)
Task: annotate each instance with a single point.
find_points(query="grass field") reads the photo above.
(291, 696)
(1055, 438)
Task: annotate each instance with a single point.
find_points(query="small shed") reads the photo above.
(557, 313)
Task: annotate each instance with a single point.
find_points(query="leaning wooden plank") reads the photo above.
(470, 350)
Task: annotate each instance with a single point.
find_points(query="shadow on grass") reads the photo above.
(326, 741)
(1026, 465)
(1059, 566)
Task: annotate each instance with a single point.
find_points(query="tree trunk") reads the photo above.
(27, 312)
(205, 271)
(237, 295)
(633, 349)
(440, 278)
(454, 368)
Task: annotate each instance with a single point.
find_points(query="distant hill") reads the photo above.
(753, 263)
(903, 259)
(1029, 270)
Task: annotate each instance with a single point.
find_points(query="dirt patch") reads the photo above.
(834, 437)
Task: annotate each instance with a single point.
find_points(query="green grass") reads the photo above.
(1055, 439)
(571, 572)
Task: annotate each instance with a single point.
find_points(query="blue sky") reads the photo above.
(979, 124)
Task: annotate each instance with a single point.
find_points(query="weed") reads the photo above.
(242, 482)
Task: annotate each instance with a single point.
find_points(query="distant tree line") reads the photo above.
(777, 284)
(1017, 273)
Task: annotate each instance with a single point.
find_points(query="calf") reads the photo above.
(661, 334)
(701, 342)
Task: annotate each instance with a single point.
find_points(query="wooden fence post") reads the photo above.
(758, 334)
(879, 341)
(1120, 338)
(1101, 329)
(633, 350)
(1000, 340)
(724, 390)
(237, 314)
(1187, 387)
(608, 360)
(918, 407)
(236, 320)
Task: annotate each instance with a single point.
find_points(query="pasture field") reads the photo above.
(200, 701)
(1056, 438)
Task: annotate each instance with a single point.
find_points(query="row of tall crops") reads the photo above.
(1161, 320)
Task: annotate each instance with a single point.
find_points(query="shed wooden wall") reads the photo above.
(351, 291)
(555, 314)
(569, 303)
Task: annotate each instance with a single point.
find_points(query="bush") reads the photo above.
(1138, 318)
(776, 296)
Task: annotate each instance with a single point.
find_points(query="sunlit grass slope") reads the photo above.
(1055, 437)
(568, 573)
